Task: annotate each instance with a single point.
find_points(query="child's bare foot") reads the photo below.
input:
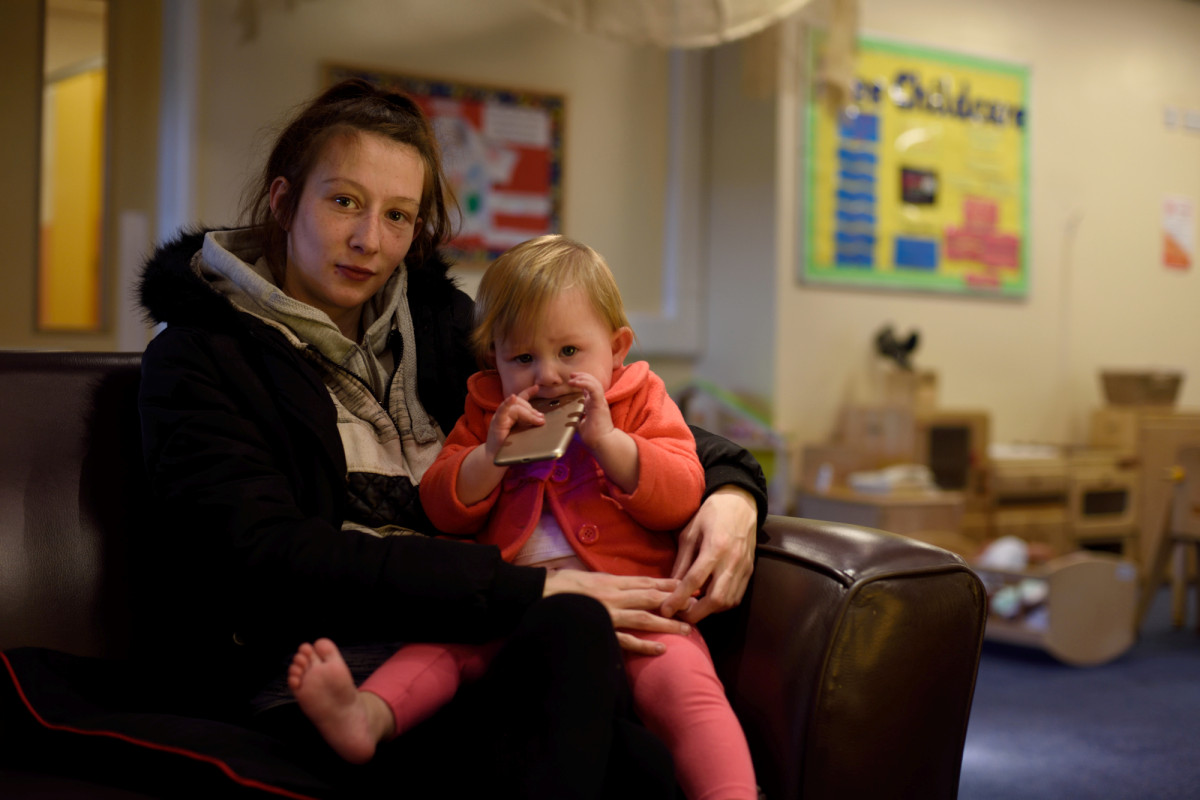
(349, 720)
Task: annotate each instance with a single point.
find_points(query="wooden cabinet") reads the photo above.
(1150, 437)
(1028, 481)
(1029, 500)
(1102, 499)
(1070, 498)
(954, 443)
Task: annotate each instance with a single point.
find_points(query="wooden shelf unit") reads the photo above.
(1150, 438)
(1086, 617)
(906, 513)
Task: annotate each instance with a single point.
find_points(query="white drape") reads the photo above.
(670, 23)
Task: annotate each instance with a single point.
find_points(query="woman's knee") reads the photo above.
(577, 609)
(572, 625)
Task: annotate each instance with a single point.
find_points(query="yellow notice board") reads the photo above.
(921, 182)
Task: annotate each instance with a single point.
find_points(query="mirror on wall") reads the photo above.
(71, 207)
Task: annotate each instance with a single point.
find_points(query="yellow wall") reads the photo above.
(72, 185)
(130, 163)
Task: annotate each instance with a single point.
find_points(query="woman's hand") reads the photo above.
(632, 602)
(725, 531)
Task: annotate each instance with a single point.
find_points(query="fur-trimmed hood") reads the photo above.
(172, 291)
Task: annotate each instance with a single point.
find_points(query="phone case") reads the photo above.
(547, 441)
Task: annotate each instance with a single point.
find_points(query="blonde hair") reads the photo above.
(518, 285)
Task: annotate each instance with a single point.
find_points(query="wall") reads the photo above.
(132, 105)
(744, 308)
(616, 95)
(134, 59)
(1102, 72)
(1102, 162)
(20, 99)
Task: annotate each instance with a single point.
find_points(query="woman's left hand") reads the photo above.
(632, 602)
(716, 555)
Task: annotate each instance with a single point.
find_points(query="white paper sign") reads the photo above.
(1179, 232)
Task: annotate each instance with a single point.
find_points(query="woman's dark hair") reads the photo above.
(353, 105)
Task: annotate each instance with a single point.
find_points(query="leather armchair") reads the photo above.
(851, 662)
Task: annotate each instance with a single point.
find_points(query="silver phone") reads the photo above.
(547, 441)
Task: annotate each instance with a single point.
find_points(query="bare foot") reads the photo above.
(349, 720)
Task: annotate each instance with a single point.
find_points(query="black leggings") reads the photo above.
(550, 719)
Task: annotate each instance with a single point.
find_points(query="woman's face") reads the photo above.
(353, 225)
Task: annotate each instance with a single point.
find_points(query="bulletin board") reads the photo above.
(921, 181)
(502, 149)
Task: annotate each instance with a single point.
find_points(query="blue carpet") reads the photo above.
(1042, 730)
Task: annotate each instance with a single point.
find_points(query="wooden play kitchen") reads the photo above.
(1093, 513)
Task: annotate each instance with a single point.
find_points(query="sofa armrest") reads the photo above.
(851, 662)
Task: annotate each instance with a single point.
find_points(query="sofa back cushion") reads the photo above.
(72, 496)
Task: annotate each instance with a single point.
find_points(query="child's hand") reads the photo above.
(614, 449)
(597, 420)
(515, 410)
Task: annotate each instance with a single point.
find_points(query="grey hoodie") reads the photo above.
(384, 428)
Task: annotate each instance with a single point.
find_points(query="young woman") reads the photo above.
(309, 368)
(552, 325)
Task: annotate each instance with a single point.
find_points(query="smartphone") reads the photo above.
(547, 441)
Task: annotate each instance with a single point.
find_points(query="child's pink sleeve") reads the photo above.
(670, 476)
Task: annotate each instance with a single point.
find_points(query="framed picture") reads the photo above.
(503, 153)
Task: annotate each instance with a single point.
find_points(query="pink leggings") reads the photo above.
(677, 694)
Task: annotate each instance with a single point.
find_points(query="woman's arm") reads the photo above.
(716, 549)
(248, 476)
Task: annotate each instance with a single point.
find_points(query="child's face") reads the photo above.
(570, 337)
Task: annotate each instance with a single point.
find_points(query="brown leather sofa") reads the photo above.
(851, 663)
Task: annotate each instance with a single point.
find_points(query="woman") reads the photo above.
(310, 366)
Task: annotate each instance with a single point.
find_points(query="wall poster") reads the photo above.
(1179, 231)
(921, 182)
(503, 153)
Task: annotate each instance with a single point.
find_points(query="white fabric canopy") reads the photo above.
(670, 23)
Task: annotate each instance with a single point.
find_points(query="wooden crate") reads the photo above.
(906, 513)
